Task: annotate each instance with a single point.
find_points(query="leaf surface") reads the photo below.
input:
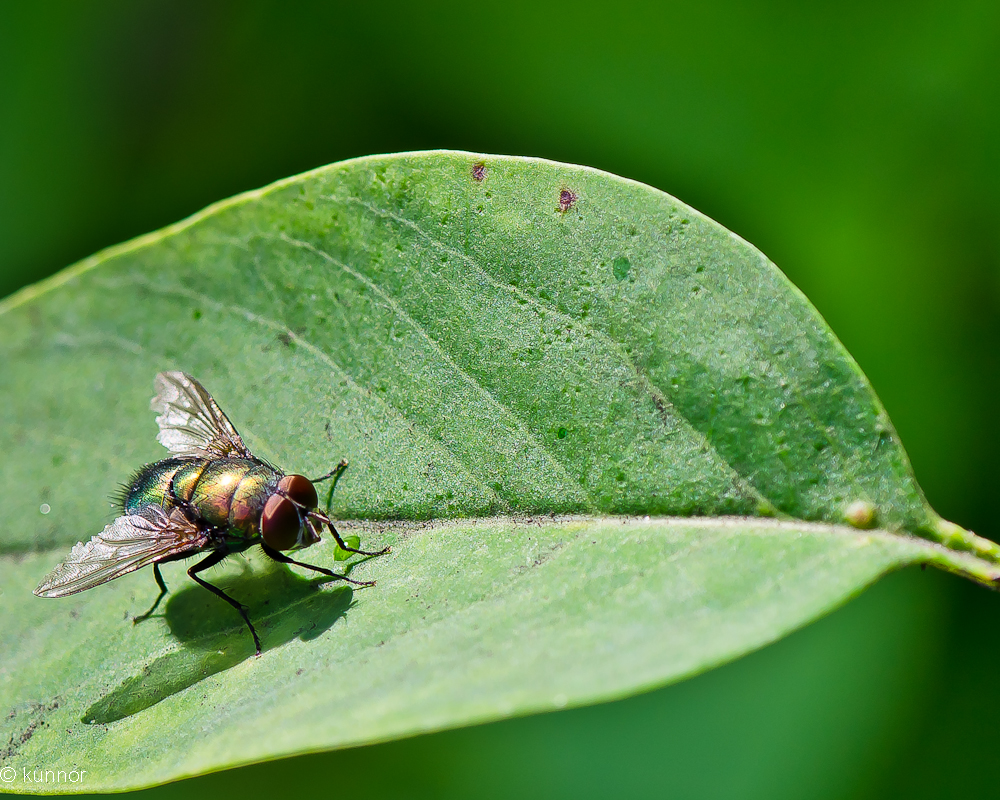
(523, 361)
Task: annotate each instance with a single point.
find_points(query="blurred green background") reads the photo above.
(856, 145)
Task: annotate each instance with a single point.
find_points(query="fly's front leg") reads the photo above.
(283, 559)
(316, 516)
(343, 546)
(159, 597)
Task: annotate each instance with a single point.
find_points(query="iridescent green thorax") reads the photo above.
(226, 492)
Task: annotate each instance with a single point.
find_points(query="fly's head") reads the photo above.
(290, 519)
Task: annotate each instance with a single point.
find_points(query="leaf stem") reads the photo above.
(955, 537)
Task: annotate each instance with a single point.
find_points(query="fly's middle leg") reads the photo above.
(211, 561)
(283, 559)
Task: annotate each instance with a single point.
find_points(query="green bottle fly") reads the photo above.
(213, 496)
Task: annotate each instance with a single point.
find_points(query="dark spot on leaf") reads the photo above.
(566, 200)
(620, 267)
(479, 171)
(286, 339)
(196, 314)
(562, 433)
(37, 710)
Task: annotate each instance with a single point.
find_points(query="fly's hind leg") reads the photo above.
(159, 597)
(211, 561)
(283, 559)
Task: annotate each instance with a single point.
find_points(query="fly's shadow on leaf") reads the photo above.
(282, 605)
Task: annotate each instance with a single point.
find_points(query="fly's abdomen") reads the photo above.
(151, 485)
(186, 478)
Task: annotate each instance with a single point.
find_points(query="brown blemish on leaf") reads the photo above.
(479, 172)
(566, 200)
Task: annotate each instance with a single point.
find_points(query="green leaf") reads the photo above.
(343, 555)
(610, 445)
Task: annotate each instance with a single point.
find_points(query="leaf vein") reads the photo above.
(659, 397)
(467, 377)
(320, 354)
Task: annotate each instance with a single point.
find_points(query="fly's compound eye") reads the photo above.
(280, 523)
(300, 489)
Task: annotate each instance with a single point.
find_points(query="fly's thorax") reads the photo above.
(217, 486)
(150, 486)
(250, 498)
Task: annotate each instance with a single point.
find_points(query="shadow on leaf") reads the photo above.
(282, 605)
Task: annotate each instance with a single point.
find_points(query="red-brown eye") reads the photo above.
(280, 523)
(300, 489)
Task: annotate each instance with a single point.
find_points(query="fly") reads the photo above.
(211, 496)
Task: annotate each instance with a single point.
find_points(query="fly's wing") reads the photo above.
(128, 543)
(191, 422)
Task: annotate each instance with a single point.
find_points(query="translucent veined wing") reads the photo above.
(191, 422)
(127, 544)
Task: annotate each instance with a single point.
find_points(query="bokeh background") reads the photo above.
(855, 143)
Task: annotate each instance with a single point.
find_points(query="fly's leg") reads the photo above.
(335, 474)
(159, 597)
(184, 505)
(211, 561)
(283, 559)
(343, 546)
